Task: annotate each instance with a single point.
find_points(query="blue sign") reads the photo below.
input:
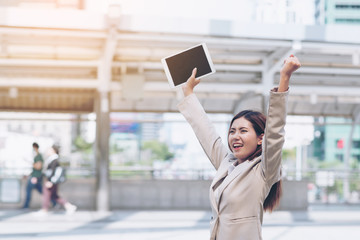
(125, 127)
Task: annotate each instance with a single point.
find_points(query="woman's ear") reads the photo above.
(260, 139)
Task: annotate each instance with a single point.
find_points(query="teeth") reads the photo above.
(237, 145)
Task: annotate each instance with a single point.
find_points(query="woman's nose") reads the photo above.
(237, 135)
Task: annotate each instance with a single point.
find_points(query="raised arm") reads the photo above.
(204, 130)
(291, 64)
(274, 131)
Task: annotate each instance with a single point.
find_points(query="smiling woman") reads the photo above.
(248, 178)
(246, 134)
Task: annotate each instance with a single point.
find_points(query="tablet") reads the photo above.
(178, 67)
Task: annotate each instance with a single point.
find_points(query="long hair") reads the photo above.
(258, 121)
(56, 148)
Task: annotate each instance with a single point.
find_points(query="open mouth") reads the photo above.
(237, 145)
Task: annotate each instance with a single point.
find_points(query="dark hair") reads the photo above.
(56, 148)
(258, 122)
(35, 145)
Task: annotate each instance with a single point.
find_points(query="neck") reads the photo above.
(239, 161)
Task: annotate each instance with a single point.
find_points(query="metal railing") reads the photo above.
(329, 186)
(325, 186)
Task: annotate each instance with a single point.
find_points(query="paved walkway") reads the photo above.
(175, 225)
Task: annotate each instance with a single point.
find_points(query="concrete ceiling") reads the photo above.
(57, 69)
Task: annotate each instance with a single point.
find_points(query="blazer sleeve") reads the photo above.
(204, 130)
(274, 137)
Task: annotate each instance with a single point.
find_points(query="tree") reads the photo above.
(159, 150)
(82, 145)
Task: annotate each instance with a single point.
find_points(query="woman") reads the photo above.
(247, 181)
(52, 180)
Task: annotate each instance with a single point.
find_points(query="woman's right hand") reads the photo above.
(188, 87)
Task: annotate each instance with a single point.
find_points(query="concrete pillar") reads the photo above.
(102, 152)
(346, 186)
(267, 83)
(299, 156)
(102, 110)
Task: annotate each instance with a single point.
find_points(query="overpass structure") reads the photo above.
(75, 61)
(60, 60)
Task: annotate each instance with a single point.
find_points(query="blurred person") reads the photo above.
(35, 178)
(51, 183)
(248, 177)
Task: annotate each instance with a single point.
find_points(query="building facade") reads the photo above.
(342, 12)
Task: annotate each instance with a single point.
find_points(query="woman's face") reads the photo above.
(243, 140)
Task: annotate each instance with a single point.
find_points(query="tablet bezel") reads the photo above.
(167, 70)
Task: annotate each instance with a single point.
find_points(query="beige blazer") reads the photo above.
(237, 203)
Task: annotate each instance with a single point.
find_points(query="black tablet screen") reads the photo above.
(182, 64)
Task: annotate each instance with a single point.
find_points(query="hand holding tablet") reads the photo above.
(178, 67)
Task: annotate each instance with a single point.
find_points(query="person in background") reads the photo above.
(51, 183)
(35, 178)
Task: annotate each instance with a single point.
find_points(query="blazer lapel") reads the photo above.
(222, 172)
(236, 173)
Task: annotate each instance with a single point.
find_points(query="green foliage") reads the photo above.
(335, 164)
(338, 188)
(354, 164)
(114, 148)
(289, 157)
(159, 150)
(81, 144)
(313, 163)
(288, 154)
(355, 184)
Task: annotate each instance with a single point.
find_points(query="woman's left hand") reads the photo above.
(291, 64)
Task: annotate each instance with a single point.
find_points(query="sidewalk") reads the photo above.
(157, 225)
